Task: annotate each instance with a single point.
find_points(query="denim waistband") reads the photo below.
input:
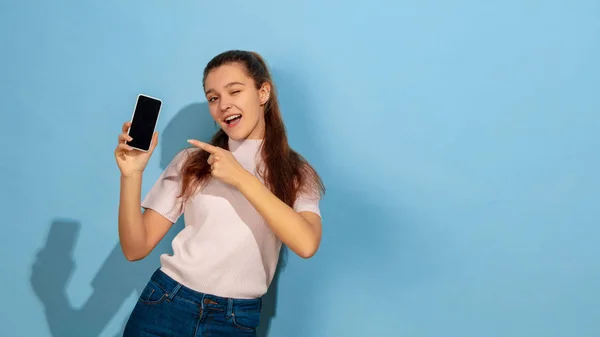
(205, 301)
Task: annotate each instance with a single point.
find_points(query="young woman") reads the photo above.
(242, 196)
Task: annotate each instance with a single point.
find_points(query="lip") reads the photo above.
(224, 119)
(227, 125)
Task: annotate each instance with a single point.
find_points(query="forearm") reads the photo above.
(132, 232)
(289, 226)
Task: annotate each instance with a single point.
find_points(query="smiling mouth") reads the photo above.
(233, 119)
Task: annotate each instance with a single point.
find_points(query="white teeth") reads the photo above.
(231, 117)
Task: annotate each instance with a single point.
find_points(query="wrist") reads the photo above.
(246, 179)
(131, 175)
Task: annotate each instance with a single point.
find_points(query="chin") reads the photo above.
(236, 134)
(234, 137)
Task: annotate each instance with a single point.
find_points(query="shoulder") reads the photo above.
(309, 184)
(309, 191)
(310, 178)
(180, 159)
(184, 154)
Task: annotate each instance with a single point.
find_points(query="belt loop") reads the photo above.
(174, 291)
(202, 302)
(229, 307)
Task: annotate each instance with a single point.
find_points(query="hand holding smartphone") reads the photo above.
(137, 139)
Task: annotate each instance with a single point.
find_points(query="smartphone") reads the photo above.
(143, 122)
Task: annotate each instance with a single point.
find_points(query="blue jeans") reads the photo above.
(166, 308)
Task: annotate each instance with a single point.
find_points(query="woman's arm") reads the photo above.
(300, 231)
(139, 233)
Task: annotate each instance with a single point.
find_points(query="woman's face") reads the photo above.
(235, 103)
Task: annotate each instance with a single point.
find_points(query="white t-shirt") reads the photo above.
(226, 248)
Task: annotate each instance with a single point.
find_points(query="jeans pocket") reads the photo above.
(246, 320)
(152, 294)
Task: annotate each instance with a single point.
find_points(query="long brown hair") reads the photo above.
(286, 172)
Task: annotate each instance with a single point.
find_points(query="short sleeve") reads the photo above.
(308, 201)
(163, 197)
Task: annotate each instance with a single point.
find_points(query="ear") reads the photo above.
(264, 93)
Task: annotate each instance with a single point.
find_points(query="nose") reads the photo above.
(224, 105)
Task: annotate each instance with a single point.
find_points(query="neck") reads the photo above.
(236, 145)
(246, 151)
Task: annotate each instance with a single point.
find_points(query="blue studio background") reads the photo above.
(458, 141)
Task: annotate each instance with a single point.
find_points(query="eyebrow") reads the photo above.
(226, 86)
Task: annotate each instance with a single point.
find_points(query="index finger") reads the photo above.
(204, 146)
(126, 126)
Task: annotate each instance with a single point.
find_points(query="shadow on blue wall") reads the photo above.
(118, 278)
(354, 222)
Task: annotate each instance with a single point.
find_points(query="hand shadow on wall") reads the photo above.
(118, 278)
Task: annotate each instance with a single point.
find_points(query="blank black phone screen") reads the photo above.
(144, 121)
